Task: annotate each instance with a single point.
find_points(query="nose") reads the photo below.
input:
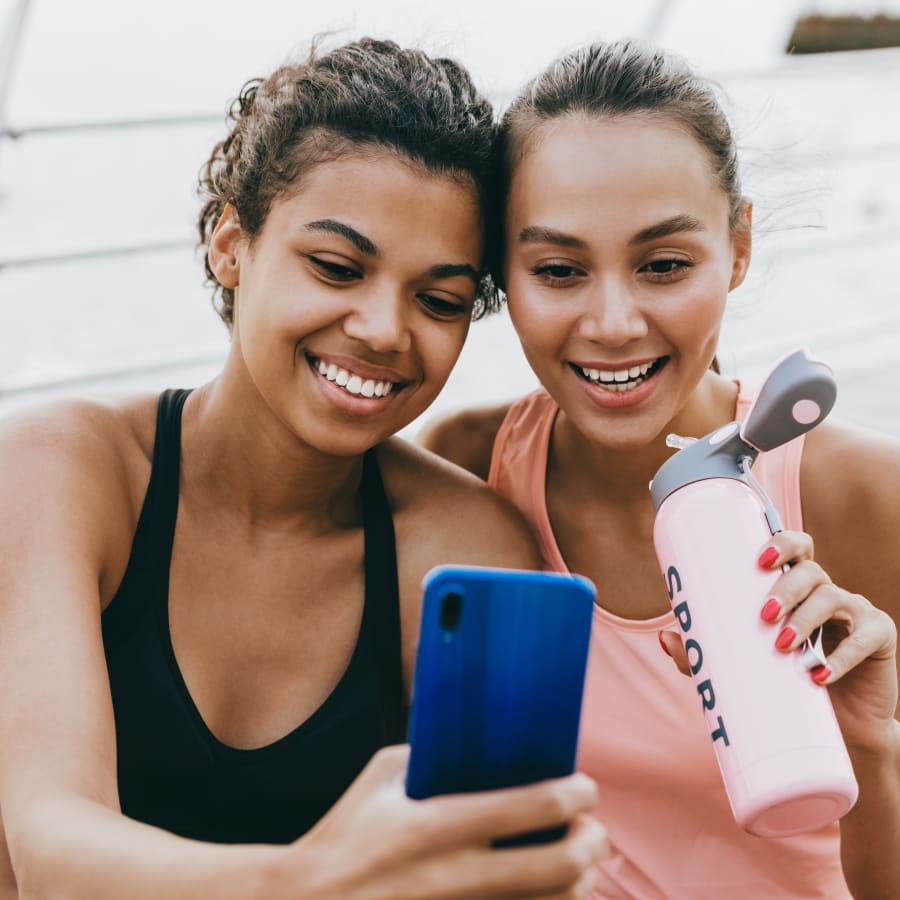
(379, 320)
(611, 316)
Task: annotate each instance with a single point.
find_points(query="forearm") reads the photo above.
(74, 849)
(870, 832)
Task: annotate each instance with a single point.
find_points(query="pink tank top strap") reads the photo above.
(519, 466)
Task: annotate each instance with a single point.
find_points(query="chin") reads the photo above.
(617, 434)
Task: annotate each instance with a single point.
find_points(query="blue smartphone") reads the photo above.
(498, 681)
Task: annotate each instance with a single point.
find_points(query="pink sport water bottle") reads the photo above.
(776, 738)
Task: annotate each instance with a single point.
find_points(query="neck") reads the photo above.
(251, 467)
(621, 475)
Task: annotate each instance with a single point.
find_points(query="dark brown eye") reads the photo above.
(666, 266)
(335, 271)
(440, 306)
(555, 271)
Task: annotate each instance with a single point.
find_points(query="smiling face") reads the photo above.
(354, 300)
(619, 261)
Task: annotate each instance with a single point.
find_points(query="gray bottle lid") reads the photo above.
(797, 395)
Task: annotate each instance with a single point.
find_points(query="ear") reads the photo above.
(223, 248)
(743, 243)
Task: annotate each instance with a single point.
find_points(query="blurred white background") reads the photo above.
(108, 109)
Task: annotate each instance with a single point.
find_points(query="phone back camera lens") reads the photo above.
(451, 610)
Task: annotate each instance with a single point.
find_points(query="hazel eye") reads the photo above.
(556, 274)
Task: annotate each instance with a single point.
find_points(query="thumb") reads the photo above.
(673, 646)
(390, 762)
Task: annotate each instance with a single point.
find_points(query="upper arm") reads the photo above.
(850, 491)
(465, 437)
(64, 511)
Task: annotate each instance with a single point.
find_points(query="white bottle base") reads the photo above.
(821, 791)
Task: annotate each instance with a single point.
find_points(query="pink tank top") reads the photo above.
(643, 735)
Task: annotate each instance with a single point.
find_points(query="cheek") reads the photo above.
(442, 345)
(540, 321)
(696, 317)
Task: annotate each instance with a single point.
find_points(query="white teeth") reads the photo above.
(354, 384)
(617, 379)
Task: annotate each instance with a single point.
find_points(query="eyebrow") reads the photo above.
(538, 234)
(451, 270)
(364, 245)
(333, 226)
(673, 225)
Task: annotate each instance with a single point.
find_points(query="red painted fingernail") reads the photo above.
(769, 613)
(785, 638)
(767, 557)
(662, 643)
(821, 674)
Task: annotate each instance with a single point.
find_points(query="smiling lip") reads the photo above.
(359, 367)
(619, 385)
(369, 395)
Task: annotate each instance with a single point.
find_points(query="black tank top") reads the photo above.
(172, 771)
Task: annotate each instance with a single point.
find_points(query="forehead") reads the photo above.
(634, 168)
(398, 204)
(387, 197)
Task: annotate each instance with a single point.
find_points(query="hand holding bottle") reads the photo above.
(860, 640)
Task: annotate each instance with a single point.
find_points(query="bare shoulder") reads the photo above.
(95, 435)
(75, 421)
(850, 489)
(448, 514)
(445, 515)
(81, 468)
(465, 437)
(850, 473)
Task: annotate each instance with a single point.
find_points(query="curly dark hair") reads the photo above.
(369, 92)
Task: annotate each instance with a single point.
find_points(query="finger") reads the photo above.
(483, 816)
(384, 775)
(583, 889)
(874, 636)
(387, 765)
(826, 603)
(786, 548)
(792, 590)
(673, 646)
(544, 870)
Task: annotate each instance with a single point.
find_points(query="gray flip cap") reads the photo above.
(798, 394)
